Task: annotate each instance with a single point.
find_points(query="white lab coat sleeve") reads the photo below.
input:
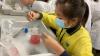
(52, 3)
(41, 6)
(95, 32)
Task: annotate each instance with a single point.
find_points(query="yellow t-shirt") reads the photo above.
(76, 41)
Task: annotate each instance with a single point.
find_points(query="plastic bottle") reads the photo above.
(36, 41)
(35, 36)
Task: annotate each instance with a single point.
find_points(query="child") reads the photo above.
(39, 6)
(71, 35)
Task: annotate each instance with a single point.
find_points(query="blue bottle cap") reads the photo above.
(25, 30)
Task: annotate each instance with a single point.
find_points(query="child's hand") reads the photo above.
(47, 37)
(32, 15)
(50, 42)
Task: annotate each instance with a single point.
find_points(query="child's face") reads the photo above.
(60, 15)
(67, 21)
(27, 2)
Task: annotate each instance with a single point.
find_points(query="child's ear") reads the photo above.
(72, 22)
(75, 20)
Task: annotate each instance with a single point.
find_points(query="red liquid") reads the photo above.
(35, 39)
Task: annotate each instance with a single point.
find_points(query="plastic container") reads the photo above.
(30, 36)
(35, 39)
(27, 36)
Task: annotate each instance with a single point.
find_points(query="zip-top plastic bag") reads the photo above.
(8, 45)
(27, 36)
